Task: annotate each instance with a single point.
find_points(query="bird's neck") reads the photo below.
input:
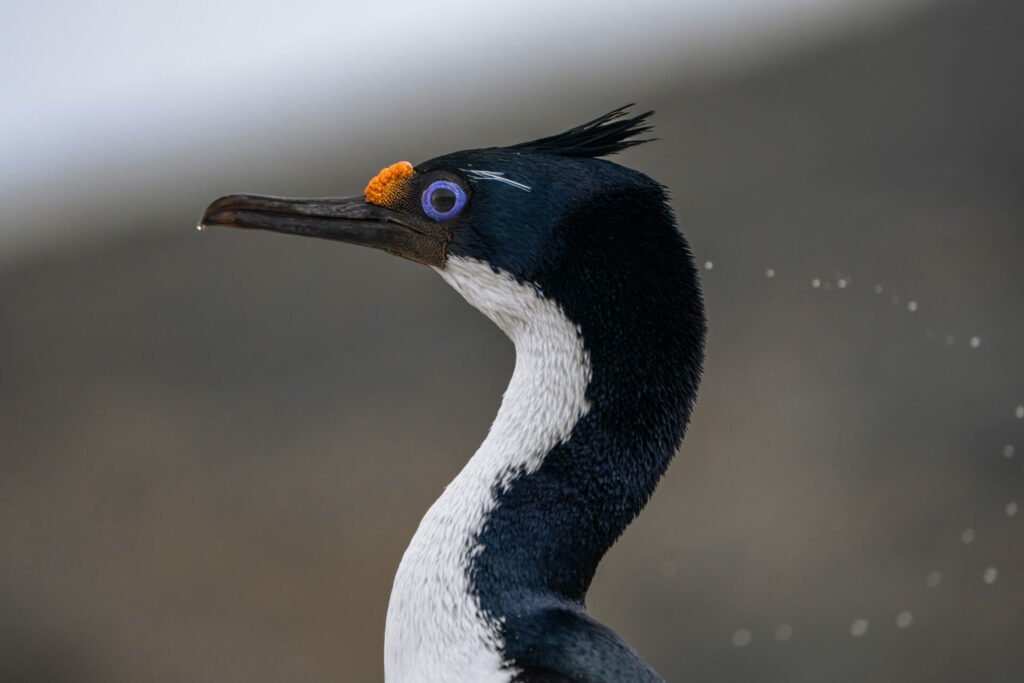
(436, 622)
(630, 314)
(596, 407)
(576, 467)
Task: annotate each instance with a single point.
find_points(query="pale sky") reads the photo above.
(91, 86)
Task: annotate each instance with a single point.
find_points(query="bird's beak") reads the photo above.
(348, 219)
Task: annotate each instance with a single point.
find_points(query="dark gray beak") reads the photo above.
(346, 219)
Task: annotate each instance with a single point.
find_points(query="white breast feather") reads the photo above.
(436, 630)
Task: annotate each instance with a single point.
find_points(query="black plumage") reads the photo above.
(600, 241)
(607, 134)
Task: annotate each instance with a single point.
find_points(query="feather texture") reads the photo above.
(607, 134)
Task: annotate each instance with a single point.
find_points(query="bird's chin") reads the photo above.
(346, 219)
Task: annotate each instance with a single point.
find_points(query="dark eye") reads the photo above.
(443, 199)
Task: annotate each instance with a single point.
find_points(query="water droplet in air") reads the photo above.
(975, 342)
(895, 298)
(878, 289)
(990, 575)
(933, 579)
(904, 619)
(949, 340)
(929, 334)
(815, 283)
(842, 283)
(1008, 451)
(770, 272)
(911, 306)
(1011, 509)
(783, 632)
(1019, 412)
(859, 628)
(742, 638)
(708, 265)
(967, 536)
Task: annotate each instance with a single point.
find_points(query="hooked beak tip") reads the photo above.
(223, 212)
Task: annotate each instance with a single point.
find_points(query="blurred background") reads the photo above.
(200, 474)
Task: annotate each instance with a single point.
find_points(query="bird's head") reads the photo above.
(537, 213)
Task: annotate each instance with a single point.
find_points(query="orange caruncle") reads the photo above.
(386, 186)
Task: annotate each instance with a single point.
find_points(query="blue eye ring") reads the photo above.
(427, 199)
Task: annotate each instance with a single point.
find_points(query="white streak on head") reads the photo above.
(475, 174)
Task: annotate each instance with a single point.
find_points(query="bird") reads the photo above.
(580, 262)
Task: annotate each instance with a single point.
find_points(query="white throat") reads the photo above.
(436, 630)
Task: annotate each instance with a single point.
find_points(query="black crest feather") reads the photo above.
(607, 134)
